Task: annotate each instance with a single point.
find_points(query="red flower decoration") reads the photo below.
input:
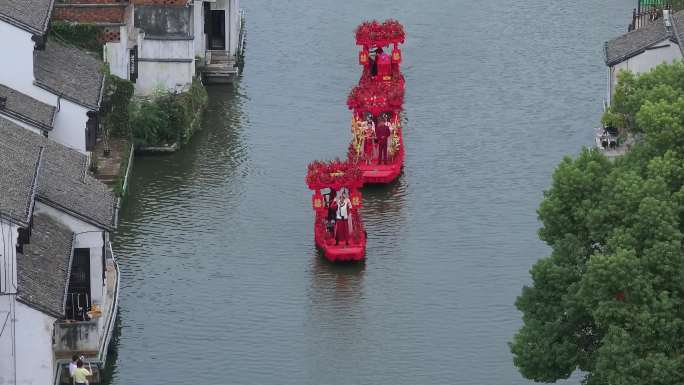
(374, 34)
(334, 174)
(377, 97)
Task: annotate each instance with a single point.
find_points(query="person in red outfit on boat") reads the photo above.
(384, 63)
(374, 61)
(382, 133)
(368, 138)
(342, 223)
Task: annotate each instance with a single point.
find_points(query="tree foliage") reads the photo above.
(168, 118)
(609, 300)
(115, 105)
(82, 35)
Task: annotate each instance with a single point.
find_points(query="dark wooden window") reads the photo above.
(91, 131)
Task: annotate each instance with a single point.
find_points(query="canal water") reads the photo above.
(221, 282)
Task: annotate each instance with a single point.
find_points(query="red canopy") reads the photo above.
(376, 97)
(374, 34)
(334, 174)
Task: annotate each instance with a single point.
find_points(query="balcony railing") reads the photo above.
(648, 11)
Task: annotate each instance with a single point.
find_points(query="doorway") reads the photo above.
(215, 28)
(78, 295)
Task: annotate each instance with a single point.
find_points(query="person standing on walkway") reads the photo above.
(80, 374)
(382, 133)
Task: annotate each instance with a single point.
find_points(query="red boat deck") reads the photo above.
(343, 253)
(380, 173)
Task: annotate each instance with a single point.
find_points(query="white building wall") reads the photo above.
(26, 356)
(164, 64)
(70, 125)
(8, 290)
(234, 25)
(117, 56)
(646, 61)
(200, 37)
(16, 69)
(154, 76)
(165, 49)
(35, 360)
(8, 258)
(17, 73)
(7, 358)
(86, 236)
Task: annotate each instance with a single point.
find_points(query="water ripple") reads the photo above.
(221, 280)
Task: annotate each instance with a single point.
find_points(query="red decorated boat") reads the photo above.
(375, 38)
(338, 227)
(377, 139)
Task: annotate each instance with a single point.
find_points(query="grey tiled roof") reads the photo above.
(635, 42)
(69, 72)
(30, 15)
(43, 267)
(63, 181)
(27, 109)
(18, 174)
(59, 185)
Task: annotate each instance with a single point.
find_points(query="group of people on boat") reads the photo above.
(79, 375)
(339, 222)
(377, 102)
(377, 138)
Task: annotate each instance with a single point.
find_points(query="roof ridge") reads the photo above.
(46, 21)
(68, 274)
(34, 186)
(657, 28)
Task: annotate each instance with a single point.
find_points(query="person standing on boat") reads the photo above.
(390, 139)
(80, 374)
(382, 133)
(368, 138)
(384, 63)
(374, 61)
(332, 211)
(342, 223)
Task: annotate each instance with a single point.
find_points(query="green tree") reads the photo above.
(609, 300)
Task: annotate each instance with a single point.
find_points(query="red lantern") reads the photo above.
(317, 201)
(355, 198)
(396, 55)
(363, 57)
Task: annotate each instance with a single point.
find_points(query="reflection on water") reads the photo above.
(336, 313)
